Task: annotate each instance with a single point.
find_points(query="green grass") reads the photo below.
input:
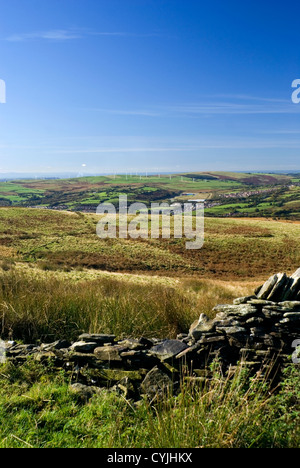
(39, 410)
(6, 187)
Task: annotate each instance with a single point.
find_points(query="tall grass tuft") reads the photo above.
(235, 412)
(46, 308)
(33, 309)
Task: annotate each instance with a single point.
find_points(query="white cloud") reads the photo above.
(233, 105)
(223, 144)
(69, 34)
(56, 35)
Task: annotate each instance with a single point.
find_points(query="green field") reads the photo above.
(39, 410)
(227, 194)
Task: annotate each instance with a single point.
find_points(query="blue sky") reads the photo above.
(149, 85)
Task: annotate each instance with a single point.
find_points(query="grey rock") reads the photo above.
(21, 350)
(292, 292)
(44, 356)
(156, 383)
(274, 308)
(10, 344)
(243, 300)
(229, 322)
(204, 324)
(131, 344)
(220, 316)
(261, 302)
(254, 322)
(83, 347)
(182, 336)
(254, 329)
(267, 287)
(189, 352)
(97, 338)
(279, 289)
(109, 353)
(81, 359)
(271, 314)
(292, 305)
(216, 339)
(168, 349)
(243, 310)
(233, 330)
(138, 359)
(296, 274)
(257, 331)
(268, 340)
(57, 345)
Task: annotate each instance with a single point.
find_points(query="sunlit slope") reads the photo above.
(233, 248)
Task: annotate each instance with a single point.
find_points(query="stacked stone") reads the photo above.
(267, 321)
(253, 330)
(281, 288)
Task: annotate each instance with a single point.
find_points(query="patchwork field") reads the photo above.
(227, 194)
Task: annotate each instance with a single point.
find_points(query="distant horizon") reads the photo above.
(69, 175)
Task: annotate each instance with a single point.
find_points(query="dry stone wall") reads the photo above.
(254, 330)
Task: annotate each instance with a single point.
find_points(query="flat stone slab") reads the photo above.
(109, 353)
(242, 310)
(83, 347)
(168, 349)
(281, 287)
(293, 305)
(261, 302)
(97, 338)
(233, 330)
(243, 300)
(267, 287)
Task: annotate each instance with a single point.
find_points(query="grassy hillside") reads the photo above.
(63, 268)
(233, 249)
(58, 280)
